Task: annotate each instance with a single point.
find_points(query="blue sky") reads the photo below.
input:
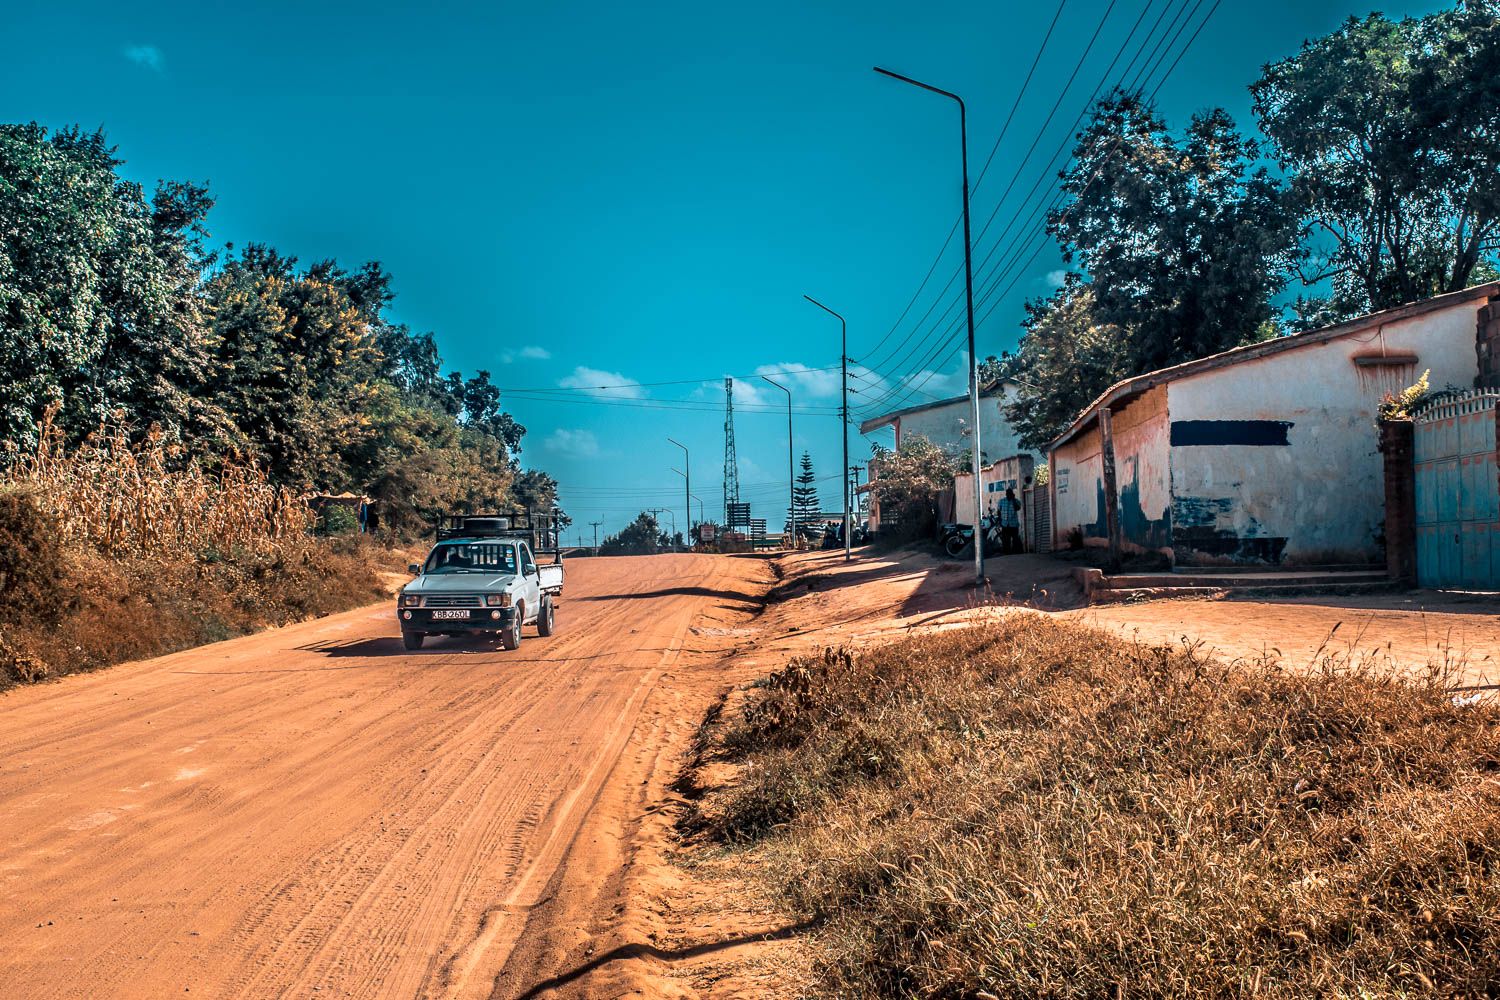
(583, 194)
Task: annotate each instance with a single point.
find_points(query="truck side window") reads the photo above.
(528, 564)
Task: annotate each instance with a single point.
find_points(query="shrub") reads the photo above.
(1040, 809)
(30, 555)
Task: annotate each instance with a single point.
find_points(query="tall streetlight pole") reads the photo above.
(692, 496)
(843, 413)
(687, 487)
(963, 140)
(791, 463)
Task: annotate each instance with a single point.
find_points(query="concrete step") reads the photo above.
(1290, 578)
(1119, 595)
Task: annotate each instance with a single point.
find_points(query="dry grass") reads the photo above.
(125, 499)
(114, 552)
(1035, 808)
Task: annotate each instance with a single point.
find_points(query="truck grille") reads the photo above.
(453, 601)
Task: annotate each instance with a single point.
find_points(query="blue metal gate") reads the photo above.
(1458, 492)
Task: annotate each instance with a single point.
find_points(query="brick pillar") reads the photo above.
(1396, 439)
(1487, 345)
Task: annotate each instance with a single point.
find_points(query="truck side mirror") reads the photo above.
(415, 569)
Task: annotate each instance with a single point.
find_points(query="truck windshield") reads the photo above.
(471, 557)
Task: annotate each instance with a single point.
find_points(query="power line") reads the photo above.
(997, 273)
(953, 230)
(1083, 58)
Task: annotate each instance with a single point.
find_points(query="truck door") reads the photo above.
(531, 584)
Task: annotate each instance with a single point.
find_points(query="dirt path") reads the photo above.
(315, 812)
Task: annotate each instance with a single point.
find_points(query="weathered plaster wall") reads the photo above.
(1142, 479)
(1008, 473)
(1077, 489)
(1277, 458)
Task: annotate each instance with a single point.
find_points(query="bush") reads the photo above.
(30, 556)
(907, 485)
(1040, 809)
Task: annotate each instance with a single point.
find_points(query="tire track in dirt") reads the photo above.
(316, 808)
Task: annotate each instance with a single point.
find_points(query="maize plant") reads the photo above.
(125, 498)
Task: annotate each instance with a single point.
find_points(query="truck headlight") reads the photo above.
(411, 601)
(498, 600)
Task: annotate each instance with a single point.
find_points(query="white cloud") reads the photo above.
(148, 56)
(573, 444)
(529, 353)
(803, 379)
(602, 384)
(1055, 278)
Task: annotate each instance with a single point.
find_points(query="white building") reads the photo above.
(946, 423)
(1266, 453)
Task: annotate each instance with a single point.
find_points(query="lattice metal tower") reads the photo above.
(731, 463)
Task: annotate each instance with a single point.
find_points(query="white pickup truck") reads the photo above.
(479, 578)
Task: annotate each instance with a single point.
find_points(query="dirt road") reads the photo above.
(314, 812)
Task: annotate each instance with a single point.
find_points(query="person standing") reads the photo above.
(1009, 512)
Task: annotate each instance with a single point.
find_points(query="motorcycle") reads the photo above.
(956, 538)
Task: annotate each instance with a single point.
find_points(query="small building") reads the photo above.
(1267, 453)
(947, 422)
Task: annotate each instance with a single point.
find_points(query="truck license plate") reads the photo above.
(450, 614)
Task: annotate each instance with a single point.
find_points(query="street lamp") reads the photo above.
(687, 487)
(692, 496)
(963, 140)
(843, 413)
(791, 463)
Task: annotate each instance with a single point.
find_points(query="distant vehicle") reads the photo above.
(483, 576)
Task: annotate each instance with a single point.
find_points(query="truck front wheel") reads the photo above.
(511, 637)
(412, 640)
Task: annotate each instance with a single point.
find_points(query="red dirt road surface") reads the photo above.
(314, 812)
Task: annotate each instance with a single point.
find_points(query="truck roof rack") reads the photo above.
(539, 528)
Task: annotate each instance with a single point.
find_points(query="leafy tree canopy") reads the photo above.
(1391, 133)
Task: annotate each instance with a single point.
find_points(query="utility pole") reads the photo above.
(856, 470)
(595, 525)
(963, 144)
(791, 463)
(843, 412)
(687, 487)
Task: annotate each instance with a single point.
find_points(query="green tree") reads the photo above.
(98, 310)
(1067, 359)
(1185, 240)
(805, 500)
(907, 487)
(643, 536)
(1391, 130)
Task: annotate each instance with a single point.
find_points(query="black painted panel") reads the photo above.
(1256, 433)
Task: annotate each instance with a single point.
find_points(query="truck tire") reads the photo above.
(511, 637)
(412, 640)
(546, 619)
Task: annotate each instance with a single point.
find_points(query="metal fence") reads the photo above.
(1454, 450)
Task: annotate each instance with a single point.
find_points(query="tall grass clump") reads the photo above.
(116, 550)
(1038, 809)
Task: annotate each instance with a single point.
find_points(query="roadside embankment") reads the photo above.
(1033, 807)
(109, 554)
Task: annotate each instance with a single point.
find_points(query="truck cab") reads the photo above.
(482, 576)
